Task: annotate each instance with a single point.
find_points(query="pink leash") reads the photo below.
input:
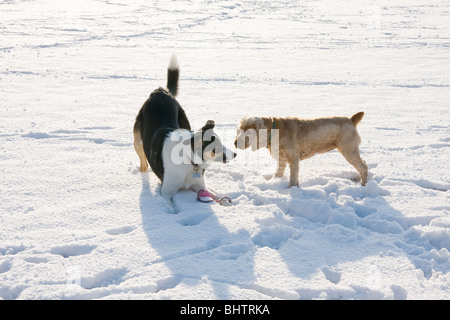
(206, 196)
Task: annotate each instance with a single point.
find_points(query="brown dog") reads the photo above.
(290, 140)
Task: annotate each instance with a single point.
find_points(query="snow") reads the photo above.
(79, 221)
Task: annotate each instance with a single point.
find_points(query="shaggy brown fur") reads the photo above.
(300, 139)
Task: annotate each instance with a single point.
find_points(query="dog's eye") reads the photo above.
(213, 153)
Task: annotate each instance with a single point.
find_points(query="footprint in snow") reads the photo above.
(193, 220)
(331, 275)
(71, 250)
(120, 230)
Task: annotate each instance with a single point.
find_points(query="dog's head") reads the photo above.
(207, 146)
(248, 133)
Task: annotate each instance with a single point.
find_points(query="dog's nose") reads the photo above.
(228, 155)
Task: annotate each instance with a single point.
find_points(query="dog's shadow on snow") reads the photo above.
(317, 232)
(200, 252)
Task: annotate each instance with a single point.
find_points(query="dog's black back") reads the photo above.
(160, 115)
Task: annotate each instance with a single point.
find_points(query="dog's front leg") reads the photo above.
(280, 168)
(294, 167)
(198, 185)
(168, 189)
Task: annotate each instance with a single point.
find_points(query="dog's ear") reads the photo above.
(210, 124)
(252, 123)
(259, 123)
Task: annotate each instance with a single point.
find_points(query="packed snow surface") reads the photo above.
(79, 221)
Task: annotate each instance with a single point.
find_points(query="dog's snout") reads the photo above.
(228, 155)
(226, 160)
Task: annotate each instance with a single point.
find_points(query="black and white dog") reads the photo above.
(163, 136)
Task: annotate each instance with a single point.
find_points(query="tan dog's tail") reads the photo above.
(356, 118)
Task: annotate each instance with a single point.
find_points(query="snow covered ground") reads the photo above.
(79, 221)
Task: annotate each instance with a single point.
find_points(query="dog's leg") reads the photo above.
(169, 188)
(280, 168)
(353, 157)
(294, 167)
(139, 147)
(199, 184)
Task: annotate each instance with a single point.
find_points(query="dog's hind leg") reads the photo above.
(139, 145)
(354, 158)
(294, 167)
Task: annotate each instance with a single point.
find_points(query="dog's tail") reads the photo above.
(356, 118)
(173, 73)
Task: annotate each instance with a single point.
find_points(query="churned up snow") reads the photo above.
(79, 221)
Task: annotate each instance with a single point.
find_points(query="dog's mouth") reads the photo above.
(245, 139)
(224, 155)
(242, 145)
(228, 155)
